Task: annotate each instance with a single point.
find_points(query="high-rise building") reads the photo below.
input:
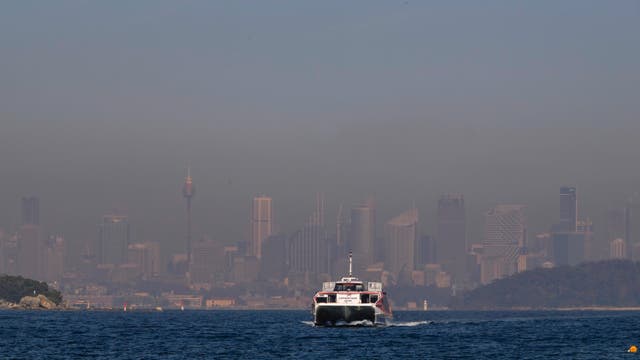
(362, 235)
(54, 258)
(632, 226)
(568, 248)
(568, 209)
(113, 240)
(30, 211)
(30, 250)
(309, 249)
(451, 247)
(614, 224)
(401, 235)
(10, 254)
(261, 224)
(425, 251)
(146, 257)
(188, 191)
(617, 249)
(208, 262)
(584, 229)
(273, 263)
(342, 229)
(505, 225)
(3, 253)
(505, 236)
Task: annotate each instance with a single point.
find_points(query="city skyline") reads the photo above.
(361, 229)
(377, 101)
(307, 129)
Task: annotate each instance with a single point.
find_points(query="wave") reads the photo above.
(367, 323)
(407, 323)
(344, 324)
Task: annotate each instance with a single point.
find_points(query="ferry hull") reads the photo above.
(326, 315)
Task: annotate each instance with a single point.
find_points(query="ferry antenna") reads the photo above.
(350, 263)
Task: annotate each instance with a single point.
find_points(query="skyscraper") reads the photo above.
(261, 224)
(146, 257)
(53, 259)
(208, 262)
(30, 248)
(30, 211)
(188, 191)
(30, 252)
(617, 249)
(401, 235)
(362, 235)
(425, 252)
(568, 209)
(632, 226)
(505, 236)
(309, 249)
(615, 226)
(113, 239)
(451, 246)
(274, 252)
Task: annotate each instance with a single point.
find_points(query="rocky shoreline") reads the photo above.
(39, 302)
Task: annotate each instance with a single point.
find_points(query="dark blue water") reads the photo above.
(289, 334)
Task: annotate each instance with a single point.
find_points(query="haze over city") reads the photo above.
(104, 105)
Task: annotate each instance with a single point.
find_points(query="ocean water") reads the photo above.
(291, 335)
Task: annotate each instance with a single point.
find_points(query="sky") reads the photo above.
(104, 104)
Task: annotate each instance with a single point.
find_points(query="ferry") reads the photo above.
(351, 302)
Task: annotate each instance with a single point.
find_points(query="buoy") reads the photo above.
(633, 349)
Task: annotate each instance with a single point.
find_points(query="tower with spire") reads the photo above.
(188, 190)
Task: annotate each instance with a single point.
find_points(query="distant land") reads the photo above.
(604, 284)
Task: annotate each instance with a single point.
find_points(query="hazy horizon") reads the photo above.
(103, 105)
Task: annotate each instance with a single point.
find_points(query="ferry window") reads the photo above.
(374, 298)
(332, 298)
(321, 299)
(351, 287)
(339, 287)
(359, 287)
(364, 298)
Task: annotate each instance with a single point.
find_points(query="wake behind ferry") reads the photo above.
(348, 301)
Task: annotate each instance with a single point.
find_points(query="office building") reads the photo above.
(451, 247)
(505, 236)
(568, 209)
(113, 239)
(261, 224)
(273, 264)
(208, 262)
(146, 257)
(54, 252)
(309, 249)
(401, 236)
(30, 214)
(632, 227)
(617, 249)
(188, 192)
(362, 235)
(30, 255)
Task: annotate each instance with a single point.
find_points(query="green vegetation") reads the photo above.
(614, 283)
(13, 288)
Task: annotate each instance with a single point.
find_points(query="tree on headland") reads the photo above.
(14, 288)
